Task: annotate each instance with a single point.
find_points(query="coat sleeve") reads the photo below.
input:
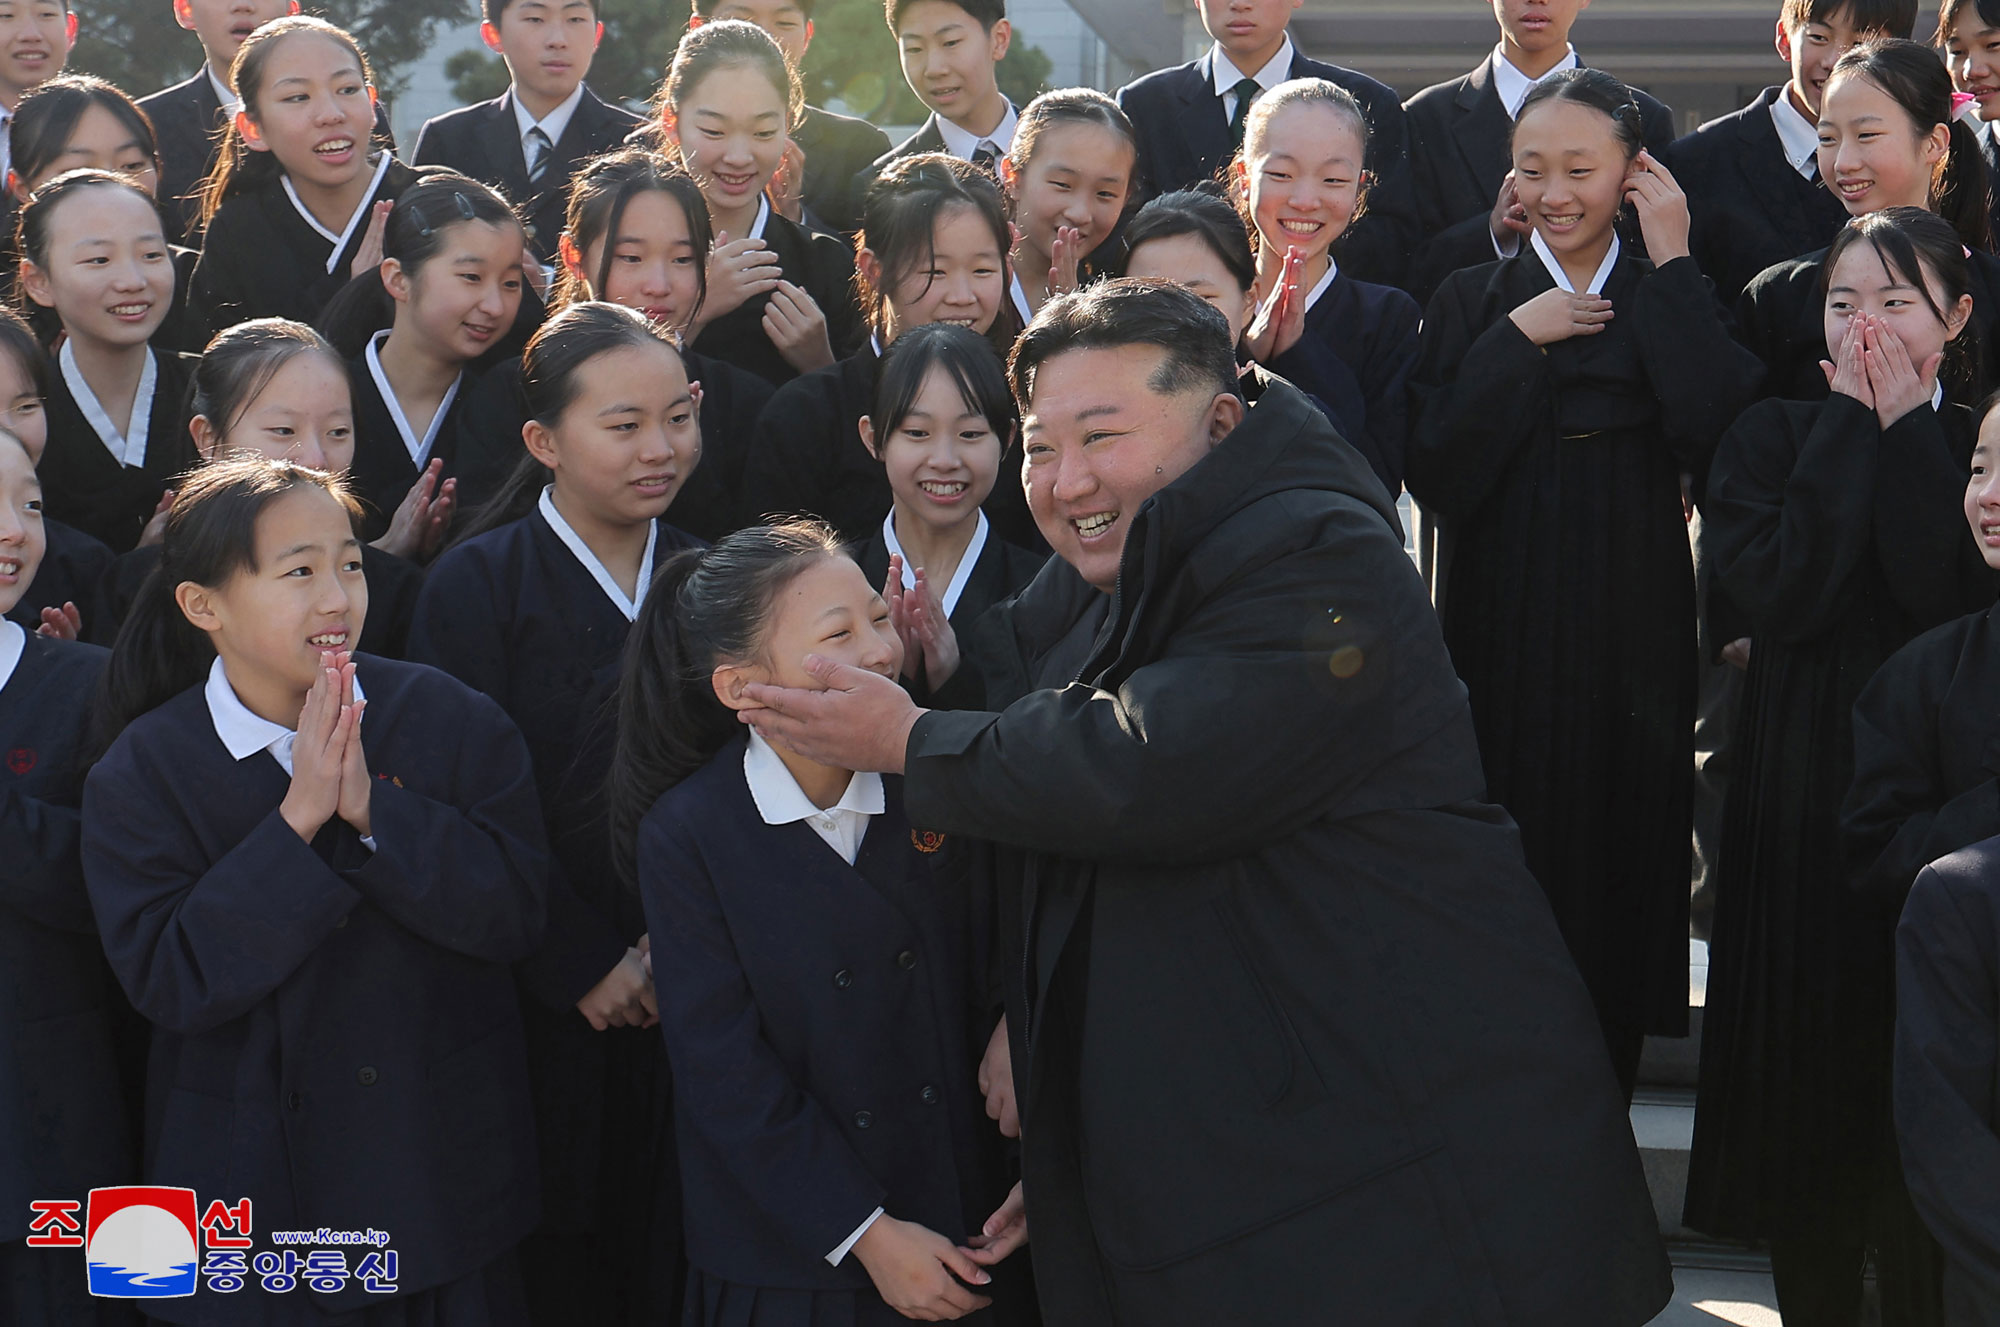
(1702, 378)
(470, 875)
(197, 942)
(1945, 1055)
(41, 841)
(1324, 635)
(1788, 529)
(1482, 394)
(730, 1086)
(1900, 813)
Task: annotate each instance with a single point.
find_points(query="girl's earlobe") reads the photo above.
(197, 605)
(33, 280)
(540, 441)
(729, 681)
(205, 439)
(571, 259)
(246, 129)
(868, 436)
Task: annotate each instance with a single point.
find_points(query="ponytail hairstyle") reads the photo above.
(728, 44)
(1913, 244)
(1300, 92)
(211, 535)
(706, 607)
(241, 361)
(598, 197)
(418, 229)
(964, 354)
(1072, 106)
(550, 369)
(899, 217)
(1207, 218)
(48, 115)
(32, 230)
(1912, 76)
(237, 167)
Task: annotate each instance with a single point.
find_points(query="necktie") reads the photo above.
(540, 149)
(986, 157)
(1246, 91)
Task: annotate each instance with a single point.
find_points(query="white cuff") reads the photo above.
(848, 1243)
(1504, 253)
(369, 842)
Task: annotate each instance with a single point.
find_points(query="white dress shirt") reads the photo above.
(243, 733)
(1513, 85)
(959, 577)
(1019, 294)
(553, 124)
(780, 801)
(13, 644)
(419, 447)
(367, 202)
(1275, 71)
(598, 571)
(1797, 136)
(1555, 267)
(962, 143)
(127, 448)
(231, 103)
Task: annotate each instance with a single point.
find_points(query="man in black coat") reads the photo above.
(1296, 1037)
(1461, 133)
(1947, 1062)
(1188, 121)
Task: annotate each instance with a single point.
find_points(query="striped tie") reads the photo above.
(540, 149)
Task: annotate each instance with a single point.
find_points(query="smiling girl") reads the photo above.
(1565, 393)
(1968, 31)
(778, 300)
(1887, 138)
(1351, 345)
(1069, 175)
(1837, 526)
(535, 614)
(297, 200)
(92, 249)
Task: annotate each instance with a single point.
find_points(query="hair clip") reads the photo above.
(466, 212)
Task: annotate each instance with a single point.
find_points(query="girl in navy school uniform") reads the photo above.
(344, 1051)
(299, 195)
(75, 121)
(941, 422)
(778, 300)
(636, 233)
(813, 969)
(447, 293)
(1071, 171)
(275, 388)
(66, 1116)
(535, 614)
(1350, 344)
(93, 251)
(933, 249)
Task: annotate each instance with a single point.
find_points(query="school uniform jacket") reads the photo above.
(1355, 360)
(817, 1018)
(188, 124)
(1947, 1057)
(383, 468)
(484, 142)
(85, 486)
(1000, 573)
(1751, 209)
(345, 1049)
(928, 138)
(818, 264)
(840, 156)
(59, 1007)
(261, 260)
(1184, 140)
(1460, 137)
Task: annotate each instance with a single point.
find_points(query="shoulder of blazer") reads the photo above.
(1180, 83)
(926, 139)
(607, 123)
(181, 99)
(1371, 93)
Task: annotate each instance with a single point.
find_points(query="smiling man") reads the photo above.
(1296, 1038)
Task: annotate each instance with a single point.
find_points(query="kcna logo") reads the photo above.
(140, 1242)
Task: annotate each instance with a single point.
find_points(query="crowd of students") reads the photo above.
(390, 552)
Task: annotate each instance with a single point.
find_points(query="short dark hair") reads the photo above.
(491, 10)
(48, 115)
(1948, 13)
(986, 12)
(1891, 18)
(706, 8)
(961, 352)
(1127, 311)
(1204, 216)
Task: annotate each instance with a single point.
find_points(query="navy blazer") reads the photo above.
(820, 265)
(344, 1050)
(928, 138)
(1460, 151)
(72, 571)
(819, 1020)
(188, 124)
(1750, 208)
(86, 487)
(1355, 361)
(60, 1011)
(484, 142)
(840, 154)
(1184, 139)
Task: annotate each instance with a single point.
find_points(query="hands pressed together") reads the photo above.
(1873, 366)
(423, 517)
(329, 771)
(930, 646)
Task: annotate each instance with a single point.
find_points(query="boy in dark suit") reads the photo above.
(1190, 122)
(1460, 133)
(35, 37)
(530, 139)
(949, 51)
(189, 117)
(831, 150)
(1752, 178)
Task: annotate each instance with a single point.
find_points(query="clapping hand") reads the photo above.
(930, 646)
(1281, 320)
(326, 754)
